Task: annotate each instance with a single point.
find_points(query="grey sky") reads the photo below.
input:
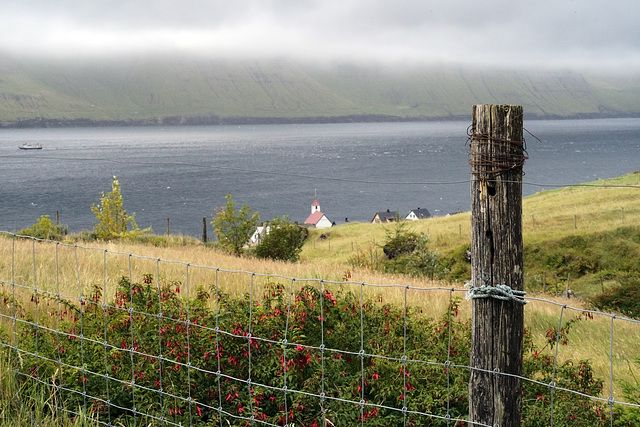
(541, 33)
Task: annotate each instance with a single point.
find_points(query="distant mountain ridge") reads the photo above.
(191, 91)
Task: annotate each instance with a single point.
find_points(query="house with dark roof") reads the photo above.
(382, 217)
(317, 219)
(416, 214)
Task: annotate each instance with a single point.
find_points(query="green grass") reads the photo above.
(590, 232)
(147, 88)
(22, 406)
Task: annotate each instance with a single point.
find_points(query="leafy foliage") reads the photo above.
(400, 240)
(541, 402)
(113, 221)
(45, 229)
(282, 240)
(455, 266)
(624, 299)
(153, 352)
(233, 228)
(405, 252)
(630, 416)
(612, 253)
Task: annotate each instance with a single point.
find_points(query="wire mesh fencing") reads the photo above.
(121, 339)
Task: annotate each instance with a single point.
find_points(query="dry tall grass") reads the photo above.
(72, 271)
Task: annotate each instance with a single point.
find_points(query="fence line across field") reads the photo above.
(20, 284)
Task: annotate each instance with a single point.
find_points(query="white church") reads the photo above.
(317, 219)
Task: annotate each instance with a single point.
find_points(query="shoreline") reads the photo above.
(212, 120)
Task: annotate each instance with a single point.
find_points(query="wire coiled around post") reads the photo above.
(501, 292)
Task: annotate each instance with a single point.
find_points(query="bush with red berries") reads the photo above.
(311, 357)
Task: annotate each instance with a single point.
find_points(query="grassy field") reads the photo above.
(589, 211)
(588, 214)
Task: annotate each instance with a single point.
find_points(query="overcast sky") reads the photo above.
(542, 33)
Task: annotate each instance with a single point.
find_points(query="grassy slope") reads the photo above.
(618, 92)
(449, 92)
(548, 218)
(147, 88)
(551, 219)
(586, 225)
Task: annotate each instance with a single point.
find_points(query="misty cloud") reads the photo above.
(497, 32)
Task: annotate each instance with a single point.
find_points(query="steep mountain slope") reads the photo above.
(181, 90)
(443, 92)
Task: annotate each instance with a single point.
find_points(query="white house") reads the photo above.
(260, 232)
(416, 214)
(317, 219)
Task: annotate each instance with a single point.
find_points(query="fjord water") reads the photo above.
(355, 169)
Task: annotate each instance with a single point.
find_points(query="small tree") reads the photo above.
(113, 221)
(282, 240)
(45, 229)
(233, 228)
(401, 240)
(422, 261)
(408, 252)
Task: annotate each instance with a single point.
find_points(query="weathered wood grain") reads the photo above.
(497, 155)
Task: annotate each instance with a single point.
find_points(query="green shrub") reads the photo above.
(151, 352)
(584, 255)
(113, 221)
(282, 240)
(404, 251)
(456, 266)
(234, 228)
(624, 299)
(569, 409)
(628, 416)
(45, 229)
(400, 240)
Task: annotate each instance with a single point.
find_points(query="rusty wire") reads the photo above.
(506, 156)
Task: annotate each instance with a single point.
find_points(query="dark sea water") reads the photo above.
(356, 170)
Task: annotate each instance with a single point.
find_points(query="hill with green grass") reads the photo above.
(586, 238)
(188, 90)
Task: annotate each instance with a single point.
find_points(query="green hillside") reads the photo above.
(188, 90)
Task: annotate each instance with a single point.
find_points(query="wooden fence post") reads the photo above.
(168, 228)
(497, 278)
(204, 229)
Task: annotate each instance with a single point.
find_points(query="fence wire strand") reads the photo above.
(286, 346)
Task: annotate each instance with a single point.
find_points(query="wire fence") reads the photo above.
(115, 336)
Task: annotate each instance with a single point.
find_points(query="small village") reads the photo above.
(318, 219)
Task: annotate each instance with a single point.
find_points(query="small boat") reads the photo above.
(26, 146)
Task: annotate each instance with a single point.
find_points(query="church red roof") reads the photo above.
(314, 218)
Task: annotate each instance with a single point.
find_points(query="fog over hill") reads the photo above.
(187, 89)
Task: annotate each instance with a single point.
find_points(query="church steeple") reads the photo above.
(315, 206)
